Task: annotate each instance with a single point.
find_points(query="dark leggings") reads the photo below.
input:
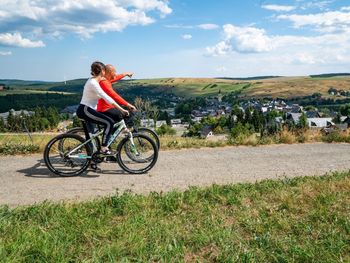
(117, 116)
(114, 114)
(90, 115)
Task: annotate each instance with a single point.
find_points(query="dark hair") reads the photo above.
(96, 68)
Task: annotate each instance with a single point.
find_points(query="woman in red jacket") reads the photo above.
(106, 85)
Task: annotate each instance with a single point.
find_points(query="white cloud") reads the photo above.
(187, 36)
(279, 8)
(242, 39)
(17, 40)
(345, 8)
(325, 22)
(252, 49)
(320, 19)
(179, 26)
(322, 5)
(81, 17)
(148, 5)
(208, 26)
(5, 53)
(200, 26)
(220, 49)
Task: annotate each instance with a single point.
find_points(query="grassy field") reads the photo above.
(189, 87)
(288, 220)
(296, 86)
(282, 87)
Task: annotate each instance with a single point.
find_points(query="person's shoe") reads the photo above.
(106, 151)
(95, 168)
(111, 159)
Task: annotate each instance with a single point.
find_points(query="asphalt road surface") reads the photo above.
(26, 180)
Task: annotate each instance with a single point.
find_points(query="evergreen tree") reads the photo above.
(257, 120)
(237, 111)
(2, 125)
(303, 123)
(248, 115)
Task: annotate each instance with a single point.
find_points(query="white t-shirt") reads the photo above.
(92, 93)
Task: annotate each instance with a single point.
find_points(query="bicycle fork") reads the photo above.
(133, 146)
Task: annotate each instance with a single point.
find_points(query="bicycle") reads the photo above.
(130, 123)
(70, 154)
(149, 132)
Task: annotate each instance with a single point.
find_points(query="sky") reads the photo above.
(56, 40)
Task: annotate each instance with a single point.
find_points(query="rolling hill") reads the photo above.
(258, 87)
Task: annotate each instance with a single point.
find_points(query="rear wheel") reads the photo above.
(150, 133)
(60, 160)
(80, 131)
(138, 158)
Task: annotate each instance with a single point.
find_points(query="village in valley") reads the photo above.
(281, 110)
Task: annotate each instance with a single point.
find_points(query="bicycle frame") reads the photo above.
(119, 125)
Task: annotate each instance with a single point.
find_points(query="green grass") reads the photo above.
(11, 143)
(189, 87)
(290, 220)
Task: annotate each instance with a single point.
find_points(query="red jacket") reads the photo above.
(106, 85)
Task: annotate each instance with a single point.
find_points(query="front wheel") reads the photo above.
(150, 133)
(65, 155)
(138, 157)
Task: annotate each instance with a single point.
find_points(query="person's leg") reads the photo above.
(114, 114)
(99, 118)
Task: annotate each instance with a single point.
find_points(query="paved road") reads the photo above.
(25, 179)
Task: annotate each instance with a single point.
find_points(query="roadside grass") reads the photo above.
(21, 144)
(304, 219)
(11, 143)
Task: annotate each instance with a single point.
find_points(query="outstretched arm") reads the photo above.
(121, 76)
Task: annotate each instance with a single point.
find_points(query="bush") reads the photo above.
(165, 130)
(287, 137)
(240, 132)
(16, 148)
(336, 136)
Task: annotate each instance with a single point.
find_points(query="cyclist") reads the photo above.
(92, 92)
(106, 84)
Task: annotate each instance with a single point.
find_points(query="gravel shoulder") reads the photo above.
(26, 180)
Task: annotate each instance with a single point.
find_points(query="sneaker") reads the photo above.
(95, 168)
(111, 159)
(106, 152)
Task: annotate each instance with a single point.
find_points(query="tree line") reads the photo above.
(247, 121)
(42, 119)
(31, 101)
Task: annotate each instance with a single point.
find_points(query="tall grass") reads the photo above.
(11, 143)
(21, 144)
(288, 220)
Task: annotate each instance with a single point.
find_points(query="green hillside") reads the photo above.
(283, 87)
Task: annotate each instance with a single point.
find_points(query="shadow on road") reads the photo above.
(39, 170)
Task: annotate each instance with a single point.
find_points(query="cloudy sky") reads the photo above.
(58, 39)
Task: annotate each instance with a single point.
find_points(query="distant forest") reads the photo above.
(31, 101)
(330, 75)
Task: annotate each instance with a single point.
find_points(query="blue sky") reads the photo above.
(57, 40)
